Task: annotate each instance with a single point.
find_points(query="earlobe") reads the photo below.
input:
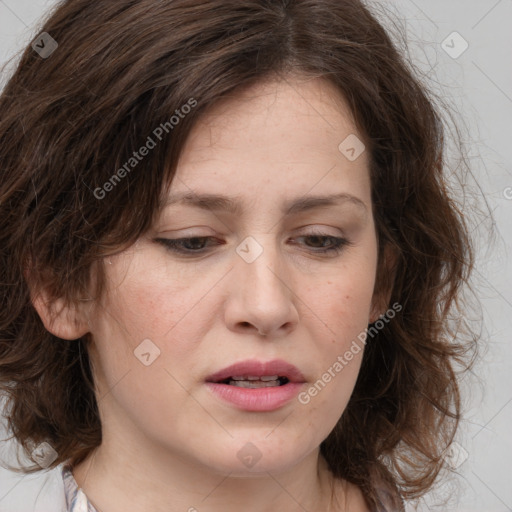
(379, 306)
(65, 320)
(62, 320)
(386, 271)
(374, 314)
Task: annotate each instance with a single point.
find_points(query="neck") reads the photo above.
(118, 480)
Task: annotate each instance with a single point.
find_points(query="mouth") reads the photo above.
(257, 386)
(257, 374)
(255, 382)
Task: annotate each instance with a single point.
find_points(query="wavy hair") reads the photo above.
(69, 120)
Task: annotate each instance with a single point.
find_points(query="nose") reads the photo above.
(261, 298)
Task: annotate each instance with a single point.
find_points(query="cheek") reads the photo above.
(138, 345)
(149, 304)
(326, 398)
(347, 302)
(343, 303)
(341, 356)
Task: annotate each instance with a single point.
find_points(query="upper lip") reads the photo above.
(259, 369)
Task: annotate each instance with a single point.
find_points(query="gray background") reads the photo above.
(478, 84)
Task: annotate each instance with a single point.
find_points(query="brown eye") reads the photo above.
(322, 243)
(191, 245)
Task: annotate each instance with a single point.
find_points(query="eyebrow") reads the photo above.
(216, 202)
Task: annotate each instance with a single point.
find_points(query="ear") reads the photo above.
(386, 271)
(66, 321)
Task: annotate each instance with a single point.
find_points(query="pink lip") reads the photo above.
(262, 399)
(259, 369)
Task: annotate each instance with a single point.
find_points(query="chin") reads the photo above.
(258, 457)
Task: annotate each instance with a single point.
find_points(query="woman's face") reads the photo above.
(262, 258)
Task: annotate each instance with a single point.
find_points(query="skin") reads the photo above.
(168, 442)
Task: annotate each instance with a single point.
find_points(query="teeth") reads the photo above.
(264, 378)
(254, 384)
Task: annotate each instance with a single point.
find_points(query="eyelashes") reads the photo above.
(195, 246)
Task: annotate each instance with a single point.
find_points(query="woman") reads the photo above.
(229, 259)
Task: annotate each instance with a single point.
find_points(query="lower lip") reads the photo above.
(258, 399)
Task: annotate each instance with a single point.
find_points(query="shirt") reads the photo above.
(76, 500)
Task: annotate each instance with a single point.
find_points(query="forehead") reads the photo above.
(289, 109)
(277, 136)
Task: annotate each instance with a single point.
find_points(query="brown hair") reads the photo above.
(121, 69)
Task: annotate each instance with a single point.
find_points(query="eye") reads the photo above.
(323, 243)
(191, 245)
(320, 243)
